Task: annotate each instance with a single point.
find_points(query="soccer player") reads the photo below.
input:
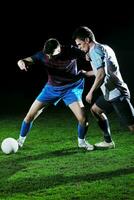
(116, 94)
(65, 82)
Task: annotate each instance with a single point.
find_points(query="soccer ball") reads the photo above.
(9, 145)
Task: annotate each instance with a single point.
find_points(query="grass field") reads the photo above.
(51, 167)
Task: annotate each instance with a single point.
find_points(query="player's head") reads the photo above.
(83, 36)
(52, 47)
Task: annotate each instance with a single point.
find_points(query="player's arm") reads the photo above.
(98, 58)
(97, 83)
(88, 73)
(98, 79)
(25, 63)
(86, 70)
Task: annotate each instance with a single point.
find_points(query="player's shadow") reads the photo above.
(12, 165)
(17, 162)
(26, 185)
(63, 152)
(9, 167)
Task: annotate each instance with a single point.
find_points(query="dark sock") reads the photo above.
(104, 125)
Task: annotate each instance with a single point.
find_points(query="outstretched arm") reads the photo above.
(24, 63)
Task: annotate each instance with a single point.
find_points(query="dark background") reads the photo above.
(25, 27)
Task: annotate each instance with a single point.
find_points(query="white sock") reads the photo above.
(81, 140)
(22, 139)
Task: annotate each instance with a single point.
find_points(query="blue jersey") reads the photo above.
(62, 69)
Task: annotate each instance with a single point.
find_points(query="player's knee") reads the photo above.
(97, 112)
(29, 118)
(82, 120)
(94, 109)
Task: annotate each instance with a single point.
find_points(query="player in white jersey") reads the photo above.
(108, 77)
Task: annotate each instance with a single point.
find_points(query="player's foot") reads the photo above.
(84, 144)
(105, 145)
(20, 143)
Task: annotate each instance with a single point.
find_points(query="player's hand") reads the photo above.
(89, 97)
(83, 72)
(22, 65)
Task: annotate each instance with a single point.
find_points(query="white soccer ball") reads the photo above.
(9, 145)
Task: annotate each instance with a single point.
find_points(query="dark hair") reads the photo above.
(50, 45)
(83, 32)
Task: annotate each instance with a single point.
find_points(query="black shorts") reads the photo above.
(122, 107)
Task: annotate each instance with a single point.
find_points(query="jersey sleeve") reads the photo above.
(97, 57)
(38, 57)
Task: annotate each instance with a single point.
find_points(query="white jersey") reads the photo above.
(113, 86)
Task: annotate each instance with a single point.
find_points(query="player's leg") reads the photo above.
(44, 99)
(73, 99)
(79, 111)
(34, 111)
(125, 112)
(98, 110)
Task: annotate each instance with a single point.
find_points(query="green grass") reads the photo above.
(51, 167)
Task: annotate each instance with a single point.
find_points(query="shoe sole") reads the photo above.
(85, 148)
(99, 147)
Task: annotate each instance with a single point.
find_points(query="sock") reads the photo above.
(25, 128)
(22, 139)
(80, 141)
(82, 130)
(104, 125)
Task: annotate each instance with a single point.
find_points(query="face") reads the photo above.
(83, 45)
(57, 50)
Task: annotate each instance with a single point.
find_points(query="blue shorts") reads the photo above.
(68, 93)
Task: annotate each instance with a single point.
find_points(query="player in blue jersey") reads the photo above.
(108, 77)
(65, 82)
